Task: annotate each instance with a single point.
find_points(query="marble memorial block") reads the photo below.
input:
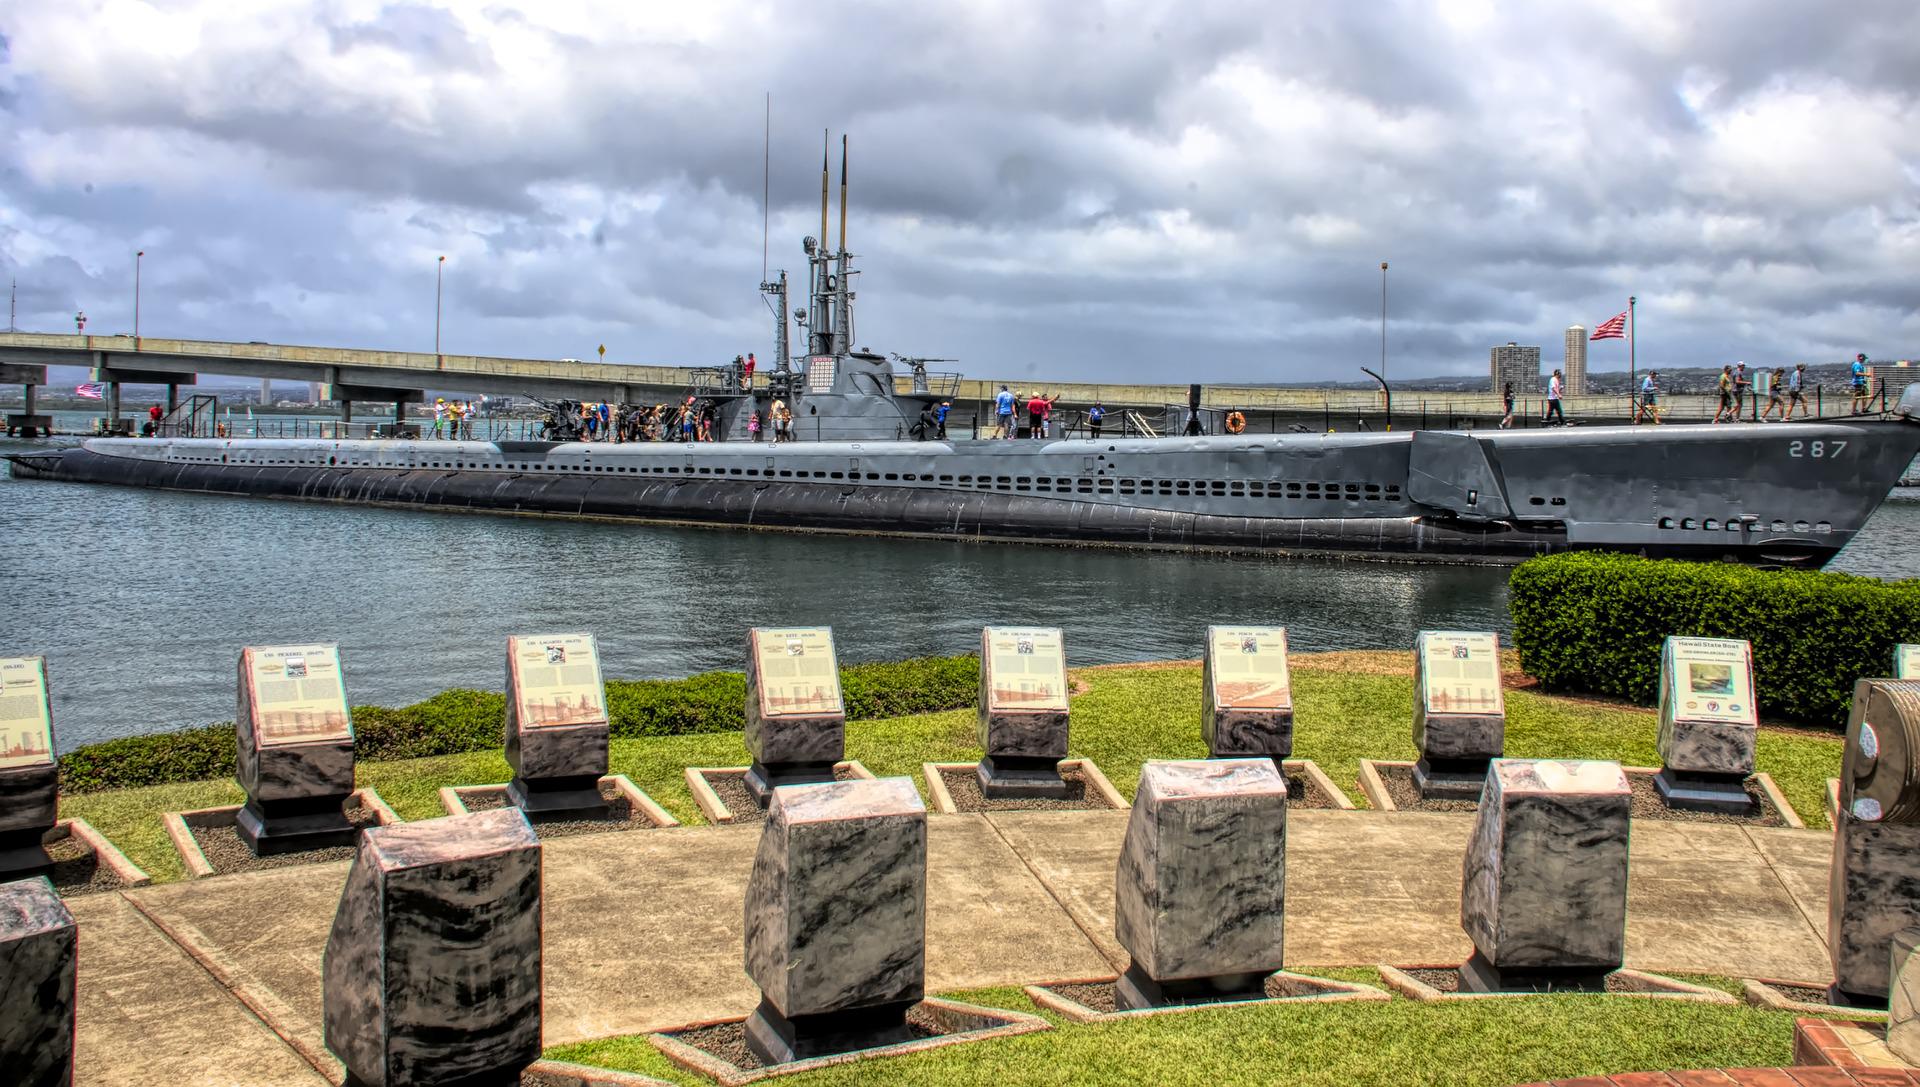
(1248, 692)
(29, 777)
(38, 939)
(1903, 995)
(1906, 661)
(295, 748)
(1708, 724)
(1200, 891)
(836, 918)
(1874, 883)
(556, 725)
(432, 970)
(1023, 712)
(796, 722)
(1544, 893)
(1459, 712)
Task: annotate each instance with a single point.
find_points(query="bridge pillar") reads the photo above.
(29, 423)
(173, 396)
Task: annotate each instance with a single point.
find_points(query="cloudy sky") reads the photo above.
(1153, 190)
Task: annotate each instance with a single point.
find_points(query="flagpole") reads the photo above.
(1633, 374)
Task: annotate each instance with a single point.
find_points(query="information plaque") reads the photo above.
(294, 735)
(26, 725)
(1460, 672)
(1708, 724)
(796, 724)
(1906, 661)
(1026, 669)
(297, 694)
(29, 778)
(799, 675)
(556, 738)
(1023, 712)
(1248, 693)
(1459, 712)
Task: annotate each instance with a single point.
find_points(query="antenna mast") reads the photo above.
(766, 185)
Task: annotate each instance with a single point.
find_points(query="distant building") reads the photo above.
(1520, 365)
(1576, 367)
(313, 392)
(266, 391)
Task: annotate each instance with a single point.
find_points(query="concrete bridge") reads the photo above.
(402, 377)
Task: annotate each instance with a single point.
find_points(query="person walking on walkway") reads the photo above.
(1506, 398)
(1096, 415)
(1555, 386)
(1003, 413)
(1742, 385)
(1861, 397)
(439, 416)
(1776, 394)
(1797, 390)
(1724, 412)
(1649, 407)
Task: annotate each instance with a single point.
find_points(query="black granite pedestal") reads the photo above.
(271, 827)
(432, 968)
(794, 738)
(1450, 779)
(38, 940)
(1200, 889)
(1477, 975)
(1013, 777)
(297, 791)
(29, 807)
(557, 770)
(836, 911)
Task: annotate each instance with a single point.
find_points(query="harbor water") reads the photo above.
(141, 600)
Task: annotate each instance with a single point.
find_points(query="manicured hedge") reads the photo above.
(459, 720)
(1595, 622)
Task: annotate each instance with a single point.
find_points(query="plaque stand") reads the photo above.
(29, 807)
(1135, 989)
(557, 770)
(764, 777)
(272, 827)
(1692, 791)
(1477, 975)
(1018, 777)
(778, 1039)
(1450, 779)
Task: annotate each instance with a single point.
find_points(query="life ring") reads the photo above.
(1236, 422)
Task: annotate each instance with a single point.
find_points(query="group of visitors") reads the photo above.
(453, 419)
(1786, 393)
(1039, 407)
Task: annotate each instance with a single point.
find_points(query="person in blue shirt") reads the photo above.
(1003, 413)
(940, 418)
(1860, 395)
(1797, 389)
(1649, 398)
(1096, 415)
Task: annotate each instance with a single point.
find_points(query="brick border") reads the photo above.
(1651, 987)
(942, 800)
(105, 853)
(450, 799)
(179, 826)
(1376, 789)
(1331, 992)
(715, 810)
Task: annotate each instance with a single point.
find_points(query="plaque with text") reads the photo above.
(26, 725)
(1026, 669)
(1249, 668)
(556, 680)
(1460, 672)
(798, 673)
(1710, 679)
(297, 694)
(1906, 661)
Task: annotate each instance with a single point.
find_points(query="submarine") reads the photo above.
(1777, 494)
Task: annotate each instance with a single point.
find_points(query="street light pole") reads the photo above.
(1383, 321)
(136, 297)
(439, 275)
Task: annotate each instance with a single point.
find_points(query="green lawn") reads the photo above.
(1397, 1044)
(1124, 717)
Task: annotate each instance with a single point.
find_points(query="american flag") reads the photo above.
(90, 391)
(1613, 328)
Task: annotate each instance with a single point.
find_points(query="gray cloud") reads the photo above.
(1128, 190)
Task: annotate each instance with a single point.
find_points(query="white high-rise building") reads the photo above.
(266, 391)
(314, 392)
(1576, 374)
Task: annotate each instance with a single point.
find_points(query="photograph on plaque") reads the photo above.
(26, 727)
(798, 672)
(1462, 672)
(298, 694)
(1027, 669)
(557, 680)
(1906, 661)
(1712, 680)
(1250, 668)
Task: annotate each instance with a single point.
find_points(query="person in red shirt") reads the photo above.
(749, 371)
(1036, 414)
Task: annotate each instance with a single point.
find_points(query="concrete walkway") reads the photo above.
(218, 980)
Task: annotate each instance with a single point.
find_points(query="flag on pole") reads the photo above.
(90, 391)
(1613, 328)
